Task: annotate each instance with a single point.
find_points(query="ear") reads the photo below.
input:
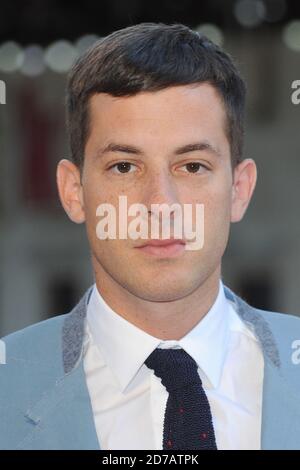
(70, 190)
(244, 181)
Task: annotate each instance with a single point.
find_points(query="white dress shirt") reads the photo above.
(129, 401)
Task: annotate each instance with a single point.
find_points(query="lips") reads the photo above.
(163, 248)
(166, 242)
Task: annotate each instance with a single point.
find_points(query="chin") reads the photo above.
(163, 291)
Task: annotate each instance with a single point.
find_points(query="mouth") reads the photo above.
(163, 248)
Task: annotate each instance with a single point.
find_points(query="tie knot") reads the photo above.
(175, 367)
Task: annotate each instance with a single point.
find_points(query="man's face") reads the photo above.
(146, 131)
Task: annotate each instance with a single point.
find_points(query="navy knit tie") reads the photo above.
(188, 422)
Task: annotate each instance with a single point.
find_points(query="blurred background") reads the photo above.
(44, 258)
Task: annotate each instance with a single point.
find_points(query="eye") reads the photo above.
(121, 167)
(194, 167)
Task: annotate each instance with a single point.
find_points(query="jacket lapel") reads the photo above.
(63, 418)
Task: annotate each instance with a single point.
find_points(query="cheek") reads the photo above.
(217, 212)
(95, 193)
(93, 198)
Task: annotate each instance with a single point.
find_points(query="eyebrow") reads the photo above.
(129, 149)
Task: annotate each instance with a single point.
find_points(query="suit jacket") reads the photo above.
(44, 400)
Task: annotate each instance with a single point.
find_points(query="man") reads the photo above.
(158, 353)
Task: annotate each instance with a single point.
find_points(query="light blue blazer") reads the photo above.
(45, 404)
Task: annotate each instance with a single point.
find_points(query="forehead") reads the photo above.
(175, 111)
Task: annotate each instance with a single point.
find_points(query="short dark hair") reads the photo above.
(151, 57)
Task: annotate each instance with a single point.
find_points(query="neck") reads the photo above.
(163, 320)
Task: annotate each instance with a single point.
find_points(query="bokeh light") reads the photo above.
(11, 56)
(33, 62)
(212, 32)
(60, 55)
(249, 13)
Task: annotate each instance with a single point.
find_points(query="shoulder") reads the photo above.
(33, 361)
(282, 327)
(38, 349)
(277, 332)
(33, 364)
(35, 340)
(285, 331)
(282, 324)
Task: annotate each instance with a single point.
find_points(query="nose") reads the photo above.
(160, 188)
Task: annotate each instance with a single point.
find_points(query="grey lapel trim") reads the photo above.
(260, 326)
(73, 330)
(73, 333)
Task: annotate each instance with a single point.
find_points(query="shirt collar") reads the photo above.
(125, 347)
